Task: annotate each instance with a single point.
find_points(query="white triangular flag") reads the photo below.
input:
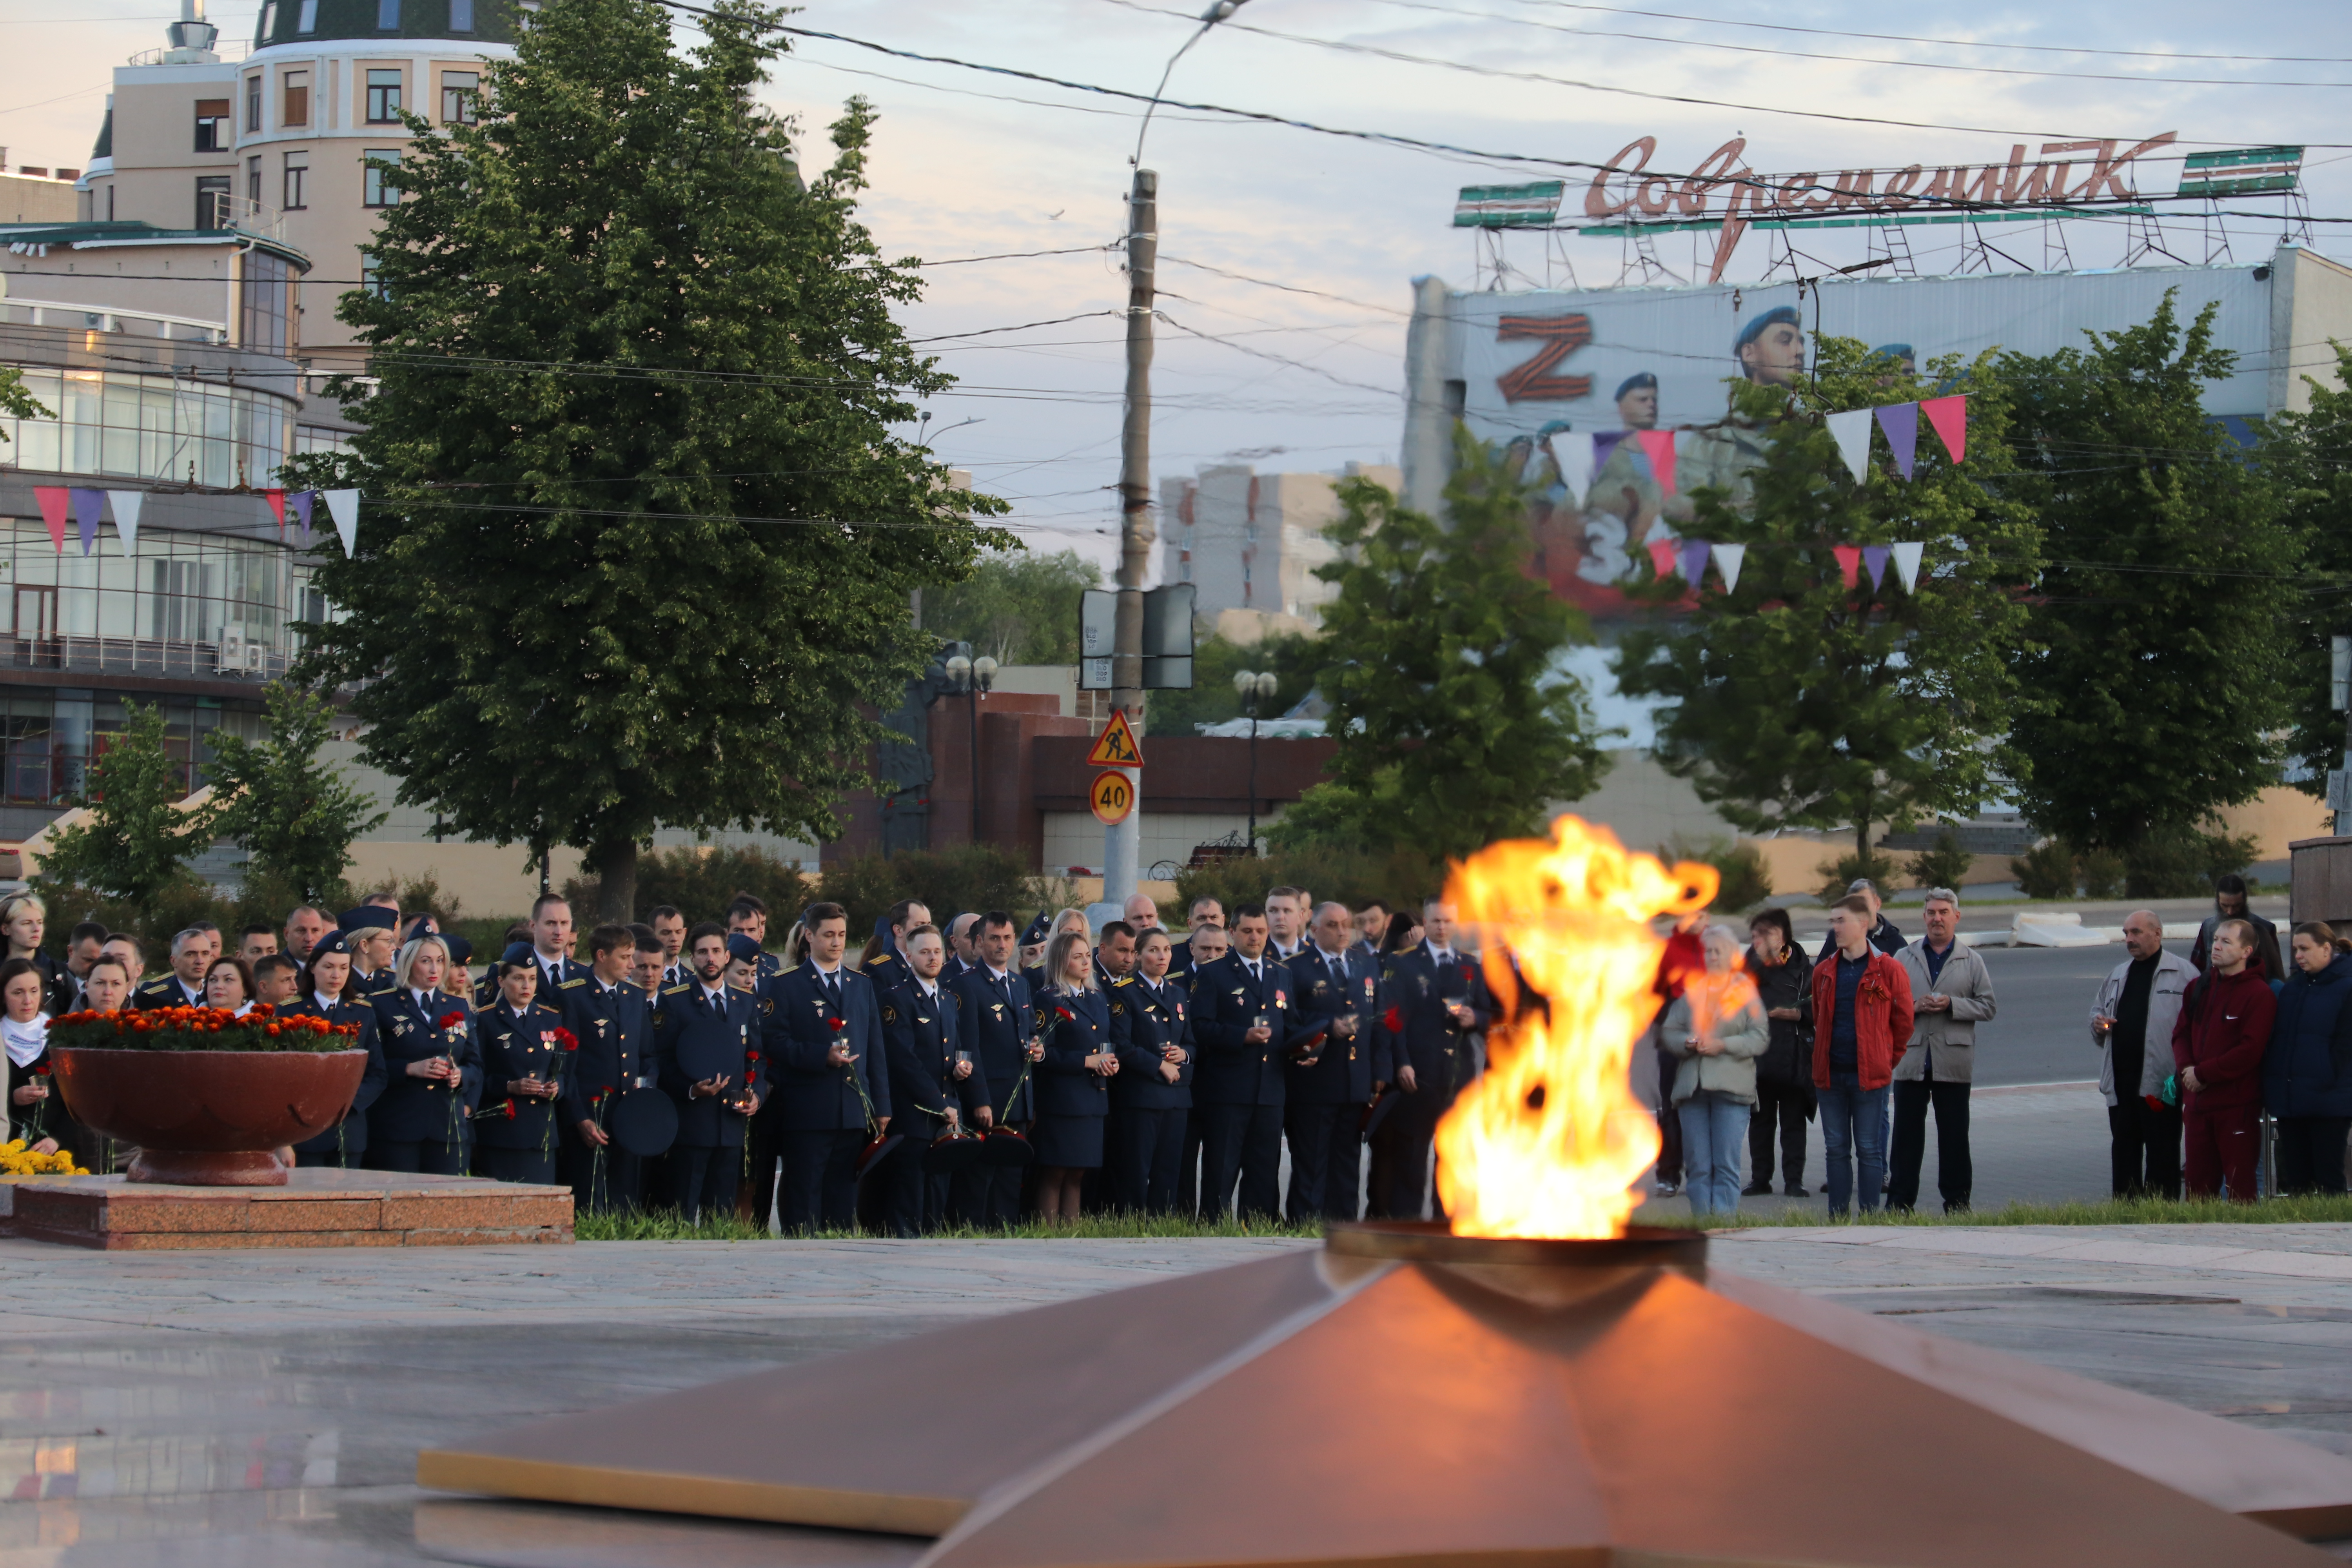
(1727, 558)
(1906, 565)
(1573, 452)
(344, 506)
(126, 504)
(1851, 431)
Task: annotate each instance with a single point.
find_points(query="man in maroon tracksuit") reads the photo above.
(2216, 1046)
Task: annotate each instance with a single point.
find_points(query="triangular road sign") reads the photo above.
(1116, 747)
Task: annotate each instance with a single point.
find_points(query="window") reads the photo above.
(298, 181)
(387, 16)
(298, 97)
(213, 197)
(267, 290)
(252, 105)
(109, 202)
(369, 284)
(383, 97)
(381, 192)
(269, 19)
(148, 426)
(307, 20)
(458, 89)
(461, 15)
(253, 182)
(213, 132)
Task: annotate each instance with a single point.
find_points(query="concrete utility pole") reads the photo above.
(1122, 845)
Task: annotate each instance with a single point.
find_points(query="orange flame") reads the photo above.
(1550, 1139)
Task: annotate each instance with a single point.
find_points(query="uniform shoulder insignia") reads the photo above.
(575, 980)
(673, 990)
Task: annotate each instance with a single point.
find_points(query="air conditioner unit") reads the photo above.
(253, 655)
(232, 649)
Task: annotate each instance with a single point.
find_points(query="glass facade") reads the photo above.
(149, 427)
(48, 736)
(200, 605)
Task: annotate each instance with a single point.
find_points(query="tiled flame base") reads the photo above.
(317, 1207)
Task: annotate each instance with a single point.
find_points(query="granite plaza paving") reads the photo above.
(266, 1408)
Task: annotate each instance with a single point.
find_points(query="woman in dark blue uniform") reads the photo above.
(1074, 1087)
(326, 994)
(523, 1063)
(435, 1066)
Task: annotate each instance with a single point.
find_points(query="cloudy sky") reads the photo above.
(1308, 375)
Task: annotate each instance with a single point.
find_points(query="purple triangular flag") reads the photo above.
(86, 505)
(1901, 423)
(1603, 443)
(1873, 560)
(301, 501)
(1693, 561)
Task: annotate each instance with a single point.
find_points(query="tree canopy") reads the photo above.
(638, 538)
(295, 816)
(136, 841)
(1017, 608)
(1455, 726)
(2304, 452)
(1796, 700)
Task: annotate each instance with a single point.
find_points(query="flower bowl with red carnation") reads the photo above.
(205, 1094)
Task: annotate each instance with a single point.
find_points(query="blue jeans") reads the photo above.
(1853, 1131)
(1715, 1133)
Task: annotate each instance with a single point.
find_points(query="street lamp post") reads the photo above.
(973, 678)
(1254, 689)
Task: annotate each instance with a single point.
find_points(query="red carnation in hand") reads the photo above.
(451, 1021)
(1393, 1020)
(567, 1040)
(1065, 1014)
(751, 1056)
(41, 1068)
(835, 1025)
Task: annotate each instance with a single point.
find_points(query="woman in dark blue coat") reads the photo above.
(326, 994)
(523, 1064)
(1074, 1088)
(2307, 1071)
(435, 1065)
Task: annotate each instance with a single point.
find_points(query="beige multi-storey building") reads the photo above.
(1250, 542)
(277, 144)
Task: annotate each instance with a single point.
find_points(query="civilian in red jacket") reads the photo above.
(2218, 1044)
(1863, 1015)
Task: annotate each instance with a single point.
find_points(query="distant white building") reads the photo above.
(1251, 541)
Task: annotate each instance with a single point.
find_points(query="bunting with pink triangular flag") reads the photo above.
(1661, 556)
(1906, 564)
(1695, 551)
(1873, 561)
(1658, 445)
(53, 501)
(275, 500)
(1950, 415)
(1901, 423)
(1727, 558)
(86, 506)
(1849, 560)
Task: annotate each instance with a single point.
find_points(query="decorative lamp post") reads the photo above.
(973, 678)
(1255, 689)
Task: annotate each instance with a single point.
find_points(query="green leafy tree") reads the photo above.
(1016, 607)
(2154, 657)
(2304, 452)
(15, 401)
(137, 841)
(638, 540)
(295, 815)
(1455, 726)
(1796, 701)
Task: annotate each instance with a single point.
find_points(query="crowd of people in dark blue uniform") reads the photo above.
(970, 1073)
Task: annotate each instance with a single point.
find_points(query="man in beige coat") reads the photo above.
(1954, 993)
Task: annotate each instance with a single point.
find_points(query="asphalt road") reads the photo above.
(2041, 1033)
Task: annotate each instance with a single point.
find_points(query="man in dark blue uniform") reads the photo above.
(1242, 1019)
(1205, 912)
(1440, 1000)
(1208, 945)
(996, 1020)
(748, 916)
(612, 1020)
(931, 1091)
(710, 1065)
(886, 963)
(552, 939)
(1151, 1097)
(181, 985)
(832, 1074)
(1339, 991)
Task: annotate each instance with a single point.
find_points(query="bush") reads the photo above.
(173, 906)
(1947, 864)
(1841, 873)
(1747, 881)
(1402, 877)
(2103, 871)
(2184, 862)
(700, 882)
(2045, 871)
(949, 881)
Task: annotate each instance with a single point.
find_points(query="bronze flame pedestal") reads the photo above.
(1403, 1395)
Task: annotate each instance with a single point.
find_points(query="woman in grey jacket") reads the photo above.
(1716, 1029)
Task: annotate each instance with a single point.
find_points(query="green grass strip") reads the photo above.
(666, 1225)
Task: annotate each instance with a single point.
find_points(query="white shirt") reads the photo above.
(929, 989)
(423, 1001)
(325, 1002)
